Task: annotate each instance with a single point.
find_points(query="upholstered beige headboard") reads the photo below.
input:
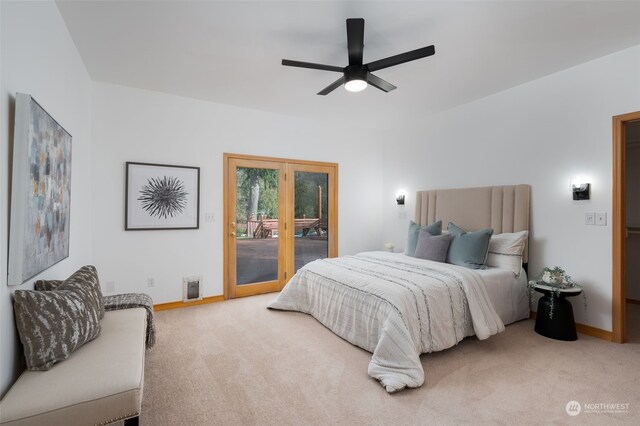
(502, 208)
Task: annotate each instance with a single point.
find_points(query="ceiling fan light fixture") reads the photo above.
(355, 85)
(356, 78)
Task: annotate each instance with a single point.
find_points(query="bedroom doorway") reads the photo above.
(279, 215)
(626, 206)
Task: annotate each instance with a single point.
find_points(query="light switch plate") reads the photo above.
(601, 219)
(590, 218)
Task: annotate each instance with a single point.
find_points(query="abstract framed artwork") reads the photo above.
(40, 192)
(161, 196)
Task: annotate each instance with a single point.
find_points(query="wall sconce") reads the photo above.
(580, 188)
(400, 199)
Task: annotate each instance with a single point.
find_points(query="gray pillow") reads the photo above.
(414, 231)
(468, 249)
(53, 324)
(432, 247)
(88, 276)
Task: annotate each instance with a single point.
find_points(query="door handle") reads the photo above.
(233, 234)
(233, 225)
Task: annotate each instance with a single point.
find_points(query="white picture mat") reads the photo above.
(139, 176)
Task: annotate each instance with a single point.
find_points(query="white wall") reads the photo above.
(137, 125)
(39, 58)
(540, 133)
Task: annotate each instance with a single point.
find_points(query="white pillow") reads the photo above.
(505, 250)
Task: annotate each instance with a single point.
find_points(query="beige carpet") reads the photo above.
(236, 362)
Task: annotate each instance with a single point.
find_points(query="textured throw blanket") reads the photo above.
(393, 306)
(134, 300)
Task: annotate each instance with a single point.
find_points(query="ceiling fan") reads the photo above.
(356, 76)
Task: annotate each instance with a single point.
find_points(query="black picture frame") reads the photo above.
(161, 197)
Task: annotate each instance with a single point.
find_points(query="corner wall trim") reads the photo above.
(588, 330)
(181, 304)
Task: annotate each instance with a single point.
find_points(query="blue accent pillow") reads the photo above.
(468, 249)
(414, 231)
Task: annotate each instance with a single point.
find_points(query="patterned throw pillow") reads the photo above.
(87, 275)
(46, 285)
(53, 324)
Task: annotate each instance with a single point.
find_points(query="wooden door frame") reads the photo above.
(333, 209)
(619, 225)
(230, 182)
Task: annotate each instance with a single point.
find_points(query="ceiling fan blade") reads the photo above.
(355, 40)
(381, 84)
(290, 63)
(333, 86)
(401, 58)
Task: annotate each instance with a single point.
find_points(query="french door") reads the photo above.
(279, 215)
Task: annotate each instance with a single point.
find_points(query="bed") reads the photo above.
(398, 307)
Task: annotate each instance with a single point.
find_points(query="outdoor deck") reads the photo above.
(268, 228)
(257, 259)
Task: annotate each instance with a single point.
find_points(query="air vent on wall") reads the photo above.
(192, 288)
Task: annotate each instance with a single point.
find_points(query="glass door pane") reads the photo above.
(311, 217)
(279, 215)
(256, 225)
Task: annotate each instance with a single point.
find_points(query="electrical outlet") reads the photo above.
(111, 287)
(151, 282)
(601, 219)
(209, 217)
(590, 218)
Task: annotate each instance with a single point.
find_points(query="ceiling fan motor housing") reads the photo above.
(352, 72)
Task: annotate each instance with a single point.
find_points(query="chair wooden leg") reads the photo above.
(133, 421)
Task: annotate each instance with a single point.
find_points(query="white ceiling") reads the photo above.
(230, 52)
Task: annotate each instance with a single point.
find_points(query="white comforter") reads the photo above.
(394, 306)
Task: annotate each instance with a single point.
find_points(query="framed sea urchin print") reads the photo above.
(160, 196)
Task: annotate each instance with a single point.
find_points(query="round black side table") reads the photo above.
(562, 326)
